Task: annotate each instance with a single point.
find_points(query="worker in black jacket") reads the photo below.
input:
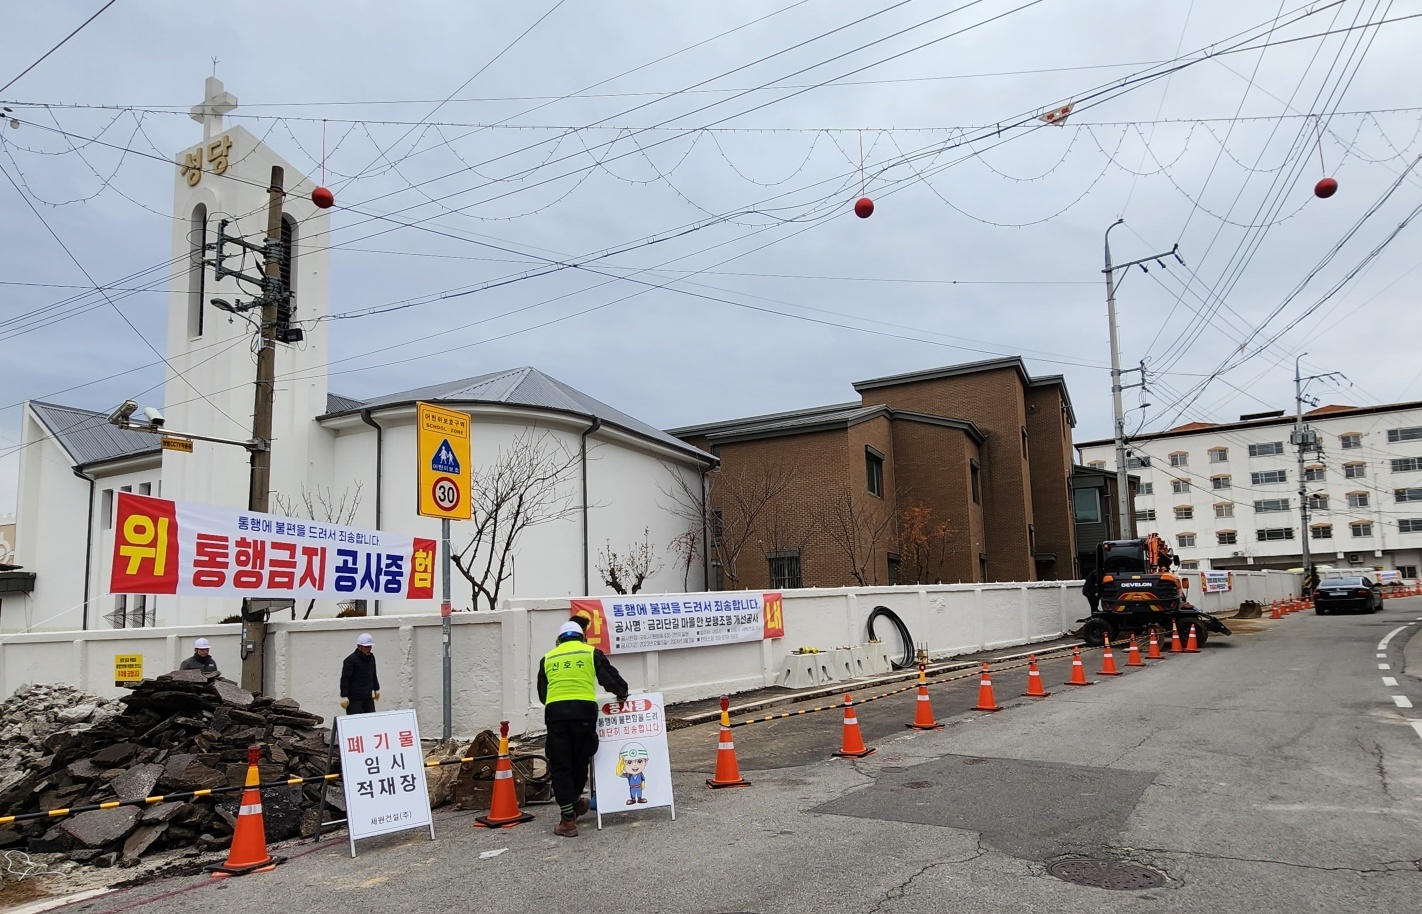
(567, 685)
(201, 660)
(360, 685)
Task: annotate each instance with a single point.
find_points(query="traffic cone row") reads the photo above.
(503, 806)
(728, 771)
(248, 853)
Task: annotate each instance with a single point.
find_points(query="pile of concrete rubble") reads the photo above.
(61, 747)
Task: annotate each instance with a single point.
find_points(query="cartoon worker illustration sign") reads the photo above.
(632, 765)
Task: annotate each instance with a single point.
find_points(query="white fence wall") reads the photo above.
(496, 654)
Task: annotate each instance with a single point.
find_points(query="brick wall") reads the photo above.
(1050, 451)
(933, 470)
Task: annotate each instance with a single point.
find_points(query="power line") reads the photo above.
(58, 46)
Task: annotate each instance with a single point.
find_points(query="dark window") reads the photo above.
(1179, 459)
(785, 570)
(976, 473)
(716, 452)
(718, 527)
(1275, 533)
(1410, 525)
(1407, 465)
(1179, 486)
(106, 502)
(1220, 482)
(1268, 477)
(1394, 435)
(982, 566)
(1266, 450)
(1362, 528)
(1185, 539)
(893, 568)
(1407, 571)
(874, 471)
(1408, 494)
(1354, 470)
(1146, 517)
(1265, 505)
(1349, 442)
(1086, 503)
(1024, 442)
(197, 281)
(718, 576)
(1314, 474)
(1146, 488)
(1184, 512)
(1318, 502)
(1227, 537)
(1322, 532)
(1135, 463)
(1219, 454)
(1359, 499)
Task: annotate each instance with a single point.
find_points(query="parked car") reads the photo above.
(1356, 593)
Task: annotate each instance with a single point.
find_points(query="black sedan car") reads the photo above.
(1358, 594)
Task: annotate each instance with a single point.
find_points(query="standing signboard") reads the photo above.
(444, 462)
(382, 774)
(1216, 581)
(128, 669)
(632, 769)
(628, 624)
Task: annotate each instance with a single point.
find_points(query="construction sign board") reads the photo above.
(632, 768)
(444, 463)
(173, 547)
(382, 774)
(1216, 581)
(128, 669)
(627, 624)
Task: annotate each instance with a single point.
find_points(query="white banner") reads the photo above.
(632, 768)
(1216, 581)
(626, 624)
(170, 547)
(382, 774)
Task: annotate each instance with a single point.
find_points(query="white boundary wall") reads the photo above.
(496, 654)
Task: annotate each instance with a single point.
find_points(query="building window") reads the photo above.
(1321, 531)
(716, 452)
(1349, 442)
(1146, 488)
(1184, 512)
(1314, 474)
(1394, 435)
(1219, 455)
(1407, 571)
(106, 502)
(1146, 517)
(1185, 540)
(1227, 537)
(718, 576)
(982, 566)
(1180, 459)
(874, 471)
(1362, 528)
(1266, 505)
(197, 283)
(1270, 534)
(1407, 465)
(1024, 442)
(1224, 509)
(893, 568)
(1219, 482)
(1318, 502)
(1359, 499)
(975, 472)
(1410, 525)
(144, 488)
(119, 617)
(1269, 477)
(1086, 506)
(1097, 464)
(1405, 495)
(1354, 470)
(1135, 463)
(785, 570)
(1266, 450)
(1179, 486)
(718, 526)
(1190, 566)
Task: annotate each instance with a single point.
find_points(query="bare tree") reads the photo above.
(738, 500)
(528, 484)
(855, 528)
(627, 572)
(687, 547)
(923, 543)
(322, 506)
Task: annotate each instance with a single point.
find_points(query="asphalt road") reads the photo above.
(1278, 770)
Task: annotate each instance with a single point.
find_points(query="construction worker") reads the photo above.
(360, 685)
(201, 660)
(1091, 589)
(567, 685)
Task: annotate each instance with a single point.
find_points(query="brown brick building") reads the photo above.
(952, 474)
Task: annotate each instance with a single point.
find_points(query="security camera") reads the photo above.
(121, 415)
(155, 418)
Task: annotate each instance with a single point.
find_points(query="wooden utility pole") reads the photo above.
(274, 294)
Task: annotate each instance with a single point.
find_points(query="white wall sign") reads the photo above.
(632, 769)
(1216, 581)
(382, 774)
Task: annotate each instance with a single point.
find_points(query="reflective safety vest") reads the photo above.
(569, 668)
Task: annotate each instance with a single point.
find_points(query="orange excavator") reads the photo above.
(1139, 588)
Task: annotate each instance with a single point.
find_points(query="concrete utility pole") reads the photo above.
(1123, 486)
(1304, 440)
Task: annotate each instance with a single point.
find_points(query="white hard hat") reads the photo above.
(570, 628)
(364, 640)
(202, 644)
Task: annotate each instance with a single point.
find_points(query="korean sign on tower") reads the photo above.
(444, 462)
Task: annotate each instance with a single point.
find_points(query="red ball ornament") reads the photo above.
(323, 198)
(863, 207)
(1325, 188)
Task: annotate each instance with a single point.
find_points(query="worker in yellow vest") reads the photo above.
(567, 686)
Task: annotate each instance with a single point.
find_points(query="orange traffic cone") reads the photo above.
(1133, 657)
(1108, 662)
(1190, 646)
(985, 700)
(1078, 672)
(1175, 647)
(1034, 679)
(503, 808)
(852, 745)
(728, 772)
(923, 708)
(1274, 611)
(249, 840)
(1153, 649)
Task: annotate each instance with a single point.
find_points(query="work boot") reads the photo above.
(580, 807)
(566, 828)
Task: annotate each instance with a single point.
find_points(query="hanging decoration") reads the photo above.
(1057, 116)
(863, 207)
(322, 196)
(1326, 186)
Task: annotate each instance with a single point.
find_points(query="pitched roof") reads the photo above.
(518, 387)
(948, 371)
(815, 419)
(730, 425)
(87, 437)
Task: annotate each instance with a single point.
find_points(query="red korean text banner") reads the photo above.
(169, 547)
(627, 624)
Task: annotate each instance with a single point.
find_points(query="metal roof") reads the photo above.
(816, 419)
(522, 387)
(87, 437)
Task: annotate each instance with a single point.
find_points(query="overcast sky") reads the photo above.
(765, 292)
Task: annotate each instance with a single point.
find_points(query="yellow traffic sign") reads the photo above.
(444, 462)
(128, 669)
(177, 444)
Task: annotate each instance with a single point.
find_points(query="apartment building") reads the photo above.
(1226, 496)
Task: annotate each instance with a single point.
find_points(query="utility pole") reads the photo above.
(1123, 486)
(1304, 440)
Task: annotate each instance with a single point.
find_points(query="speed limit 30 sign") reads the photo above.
(444, 470)
(446, 493)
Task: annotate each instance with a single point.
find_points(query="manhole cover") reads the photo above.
(1107, 874)
(974, 761)
(918, 785)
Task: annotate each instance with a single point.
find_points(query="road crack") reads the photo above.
(1384, 866)
(897, 892)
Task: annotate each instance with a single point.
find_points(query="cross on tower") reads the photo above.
(216, 103)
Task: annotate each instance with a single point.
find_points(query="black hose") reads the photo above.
(909, 660)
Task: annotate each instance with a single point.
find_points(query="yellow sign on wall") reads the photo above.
(128, 669)
(444, 462)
